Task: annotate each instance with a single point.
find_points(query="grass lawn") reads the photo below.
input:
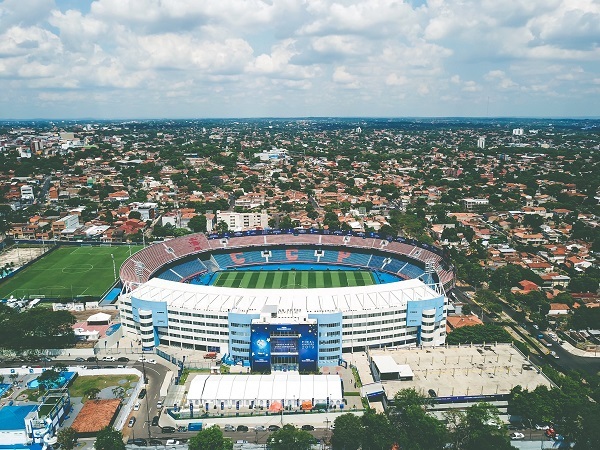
(294, 279)
(68, 272)
(84, 383)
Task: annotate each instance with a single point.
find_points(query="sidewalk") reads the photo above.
(578, 352)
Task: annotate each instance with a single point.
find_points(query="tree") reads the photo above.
(67, 437)
(348, 432)
(290, 438)
(533, 221)
(477, 427)
(92, 393)
(478, 334)
(222, 227)
(377, 430)
(135, 215)
(210, 439)
(109, 439)
(415, 429)
(48, 379)
(197, 223)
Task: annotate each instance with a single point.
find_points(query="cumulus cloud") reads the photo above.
(243, 57)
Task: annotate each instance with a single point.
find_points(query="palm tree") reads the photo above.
(92, 393)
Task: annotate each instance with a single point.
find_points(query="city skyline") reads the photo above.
(122, 59)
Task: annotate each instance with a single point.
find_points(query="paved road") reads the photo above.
(142, 428)
(566, 361)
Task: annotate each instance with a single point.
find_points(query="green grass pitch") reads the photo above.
(294, 279)
(68, 272)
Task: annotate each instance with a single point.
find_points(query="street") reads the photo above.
(566, 360)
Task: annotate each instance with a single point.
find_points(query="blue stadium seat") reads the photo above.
(190, 268)
(169, 275)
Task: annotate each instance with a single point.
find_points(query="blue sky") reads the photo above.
(257, 58)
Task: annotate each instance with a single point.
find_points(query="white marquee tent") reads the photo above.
(262, 390)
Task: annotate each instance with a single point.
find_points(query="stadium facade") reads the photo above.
(165, 302)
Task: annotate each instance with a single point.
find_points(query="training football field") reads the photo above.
(294, 279)
(68, 272)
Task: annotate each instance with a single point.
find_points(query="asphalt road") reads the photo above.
(142, 428)
(566, 360)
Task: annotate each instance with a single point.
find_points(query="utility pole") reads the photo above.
(148, 422)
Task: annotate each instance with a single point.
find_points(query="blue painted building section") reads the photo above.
(159, 311)
(330, 329)
(414, 310)
(239, 336)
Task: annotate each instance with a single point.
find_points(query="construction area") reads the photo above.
(452, 374)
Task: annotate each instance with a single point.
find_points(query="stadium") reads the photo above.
(285, 300)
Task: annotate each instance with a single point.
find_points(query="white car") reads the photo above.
(108, 358)
(172, 442)
(260, 428)
(151, 361)
(136, 407)
(542, 427)
(514, 436)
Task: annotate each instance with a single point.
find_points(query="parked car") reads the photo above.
(123, 359)
(136, 407)
(308, 427)
(140, 442)
(260, 428)
(142, 393)
(432, 393)
(172, 442)
(108, 358)
(79, 359)
(514, 436)
(242, 428)
(155, 421)
(168, 429)
(229, 428)
(155, 442)
(159, 405)
(92, 359)
(273, 427)
(131, 422)
(151, 361)
(542, 427)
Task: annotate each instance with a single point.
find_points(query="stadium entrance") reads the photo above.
(284, 347)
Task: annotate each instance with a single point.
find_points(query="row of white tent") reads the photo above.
(290, 388)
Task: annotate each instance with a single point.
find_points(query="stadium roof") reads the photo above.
(275, 387)
(345, 299)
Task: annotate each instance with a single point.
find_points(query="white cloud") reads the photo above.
(241, 57)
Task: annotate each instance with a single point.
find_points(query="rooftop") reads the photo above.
(95, 415)
(458, 371)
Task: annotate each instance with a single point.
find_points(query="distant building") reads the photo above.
(66, 224)
(481, 142)
(27, 193)
(474, 203)
(517, 132)
(273, 155)
(147, 210)
(243, 221)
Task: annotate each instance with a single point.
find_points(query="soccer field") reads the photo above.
(294, 279)
(68, 272)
